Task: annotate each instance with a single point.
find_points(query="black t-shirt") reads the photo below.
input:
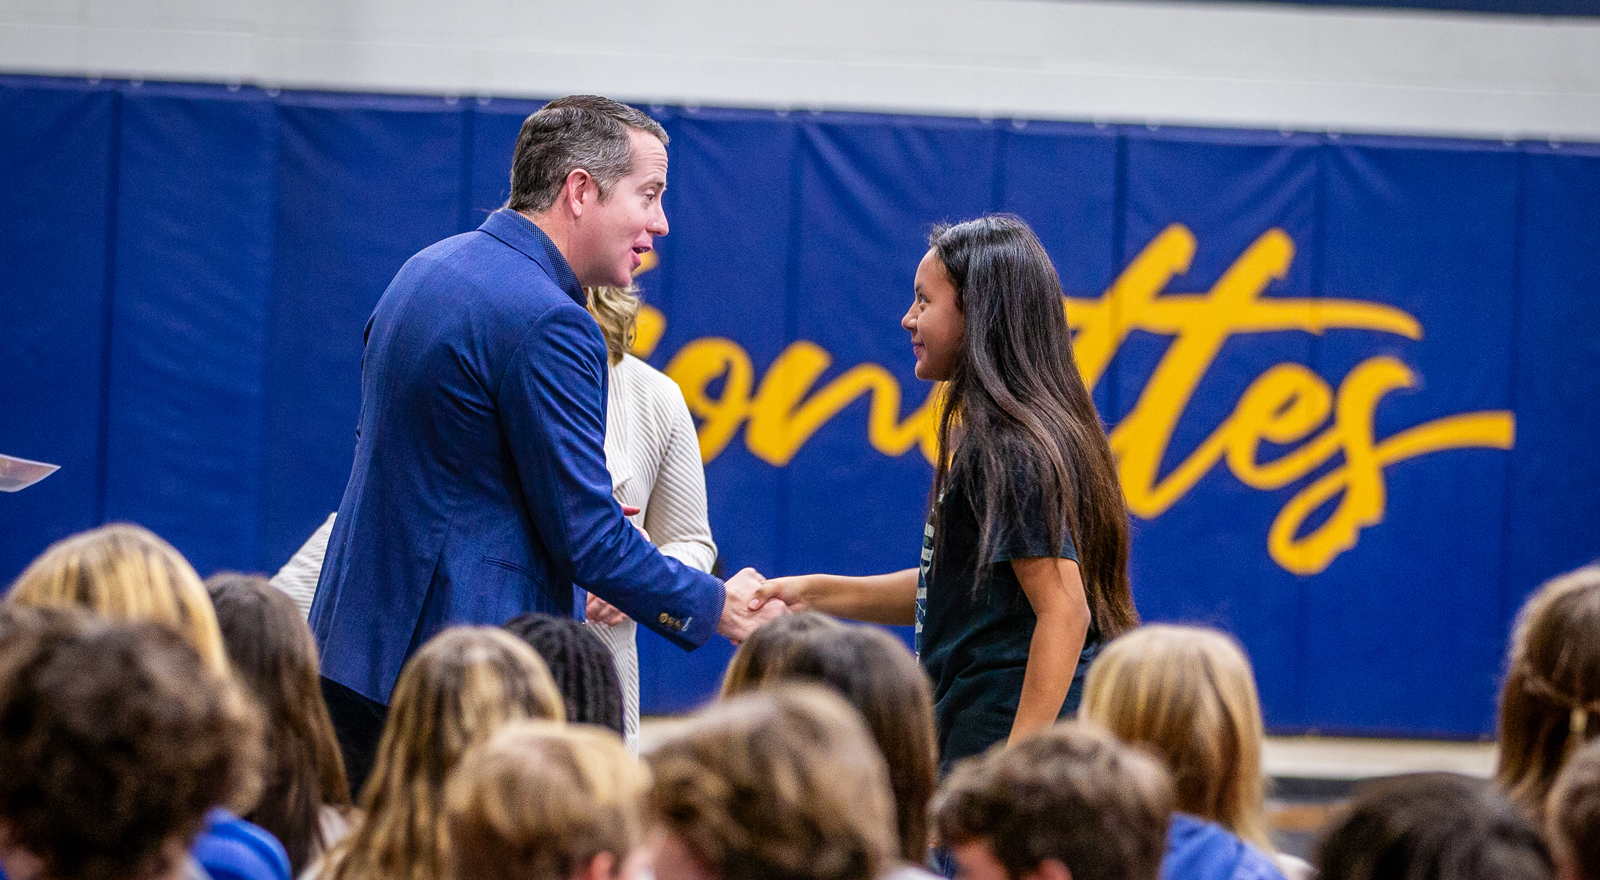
(974, 644)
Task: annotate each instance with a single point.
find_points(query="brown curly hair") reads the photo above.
(782, 784)
(1071, 793)
(541, 801)
(115, 739)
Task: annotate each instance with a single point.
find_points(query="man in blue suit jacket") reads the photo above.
(480, 489)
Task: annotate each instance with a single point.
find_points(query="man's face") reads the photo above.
(612, 234)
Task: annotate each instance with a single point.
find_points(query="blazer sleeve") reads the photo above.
(552, 406)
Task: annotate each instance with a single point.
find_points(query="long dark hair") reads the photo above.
(878, 675)
(270, 648)
(1024, 419)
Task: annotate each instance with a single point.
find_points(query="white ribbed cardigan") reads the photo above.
(653, 454)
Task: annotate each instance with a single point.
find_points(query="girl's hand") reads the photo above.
(790, 590)
(598, 610)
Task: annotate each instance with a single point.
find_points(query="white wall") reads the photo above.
(1120, 60)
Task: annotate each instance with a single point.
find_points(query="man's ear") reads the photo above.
(1050, 869)
(578, 191)
(601, 867)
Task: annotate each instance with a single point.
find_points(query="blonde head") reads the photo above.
(616, 310)
(1188, 693)
(541, 801)
(458, 690)
(125, 572)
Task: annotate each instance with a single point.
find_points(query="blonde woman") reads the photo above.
(1189, 694)
(541, 801)
(457, 691)
(1550, 702)
(653, 454)
(125, 572)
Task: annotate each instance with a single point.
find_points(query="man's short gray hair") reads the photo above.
(578, 131)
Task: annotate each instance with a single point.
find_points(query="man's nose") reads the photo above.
(658, 223)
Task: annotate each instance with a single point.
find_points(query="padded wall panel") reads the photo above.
(363, 183)
(57, 161)
(192, 291)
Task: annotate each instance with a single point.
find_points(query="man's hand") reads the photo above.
(598, 610)
(738, 619)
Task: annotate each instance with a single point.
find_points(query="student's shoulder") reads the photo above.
(1201, 850)
(229, 848)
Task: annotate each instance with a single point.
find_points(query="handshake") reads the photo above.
(751, 601)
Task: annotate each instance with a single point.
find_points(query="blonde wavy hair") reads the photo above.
(1550, 702)
(458, 690)
(1189, 694)
(125, 572)
(616, 310)
(541, 801)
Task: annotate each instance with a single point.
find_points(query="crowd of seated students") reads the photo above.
(154, 727)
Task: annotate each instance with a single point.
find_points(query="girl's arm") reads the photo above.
(1054, 588)
(882, 598)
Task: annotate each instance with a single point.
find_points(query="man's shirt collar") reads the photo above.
(508, 226)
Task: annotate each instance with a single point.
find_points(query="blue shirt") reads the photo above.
(1201, 850)
(229, 848)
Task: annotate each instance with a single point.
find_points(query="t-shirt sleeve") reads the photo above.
(1025, 532)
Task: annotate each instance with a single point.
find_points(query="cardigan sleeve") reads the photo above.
(676, 517)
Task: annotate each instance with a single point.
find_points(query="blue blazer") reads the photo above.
(480, 489)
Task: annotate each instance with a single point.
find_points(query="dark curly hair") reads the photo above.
(581, 664)
(115, 739)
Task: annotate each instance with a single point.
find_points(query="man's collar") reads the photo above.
(522, 234)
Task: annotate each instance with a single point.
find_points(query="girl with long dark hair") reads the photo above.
(305, 798)
(1024, 570)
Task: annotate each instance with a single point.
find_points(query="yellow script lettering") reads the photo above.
(1287, 404)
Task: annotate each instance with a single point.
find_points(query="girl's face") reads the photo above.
(935, 322)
